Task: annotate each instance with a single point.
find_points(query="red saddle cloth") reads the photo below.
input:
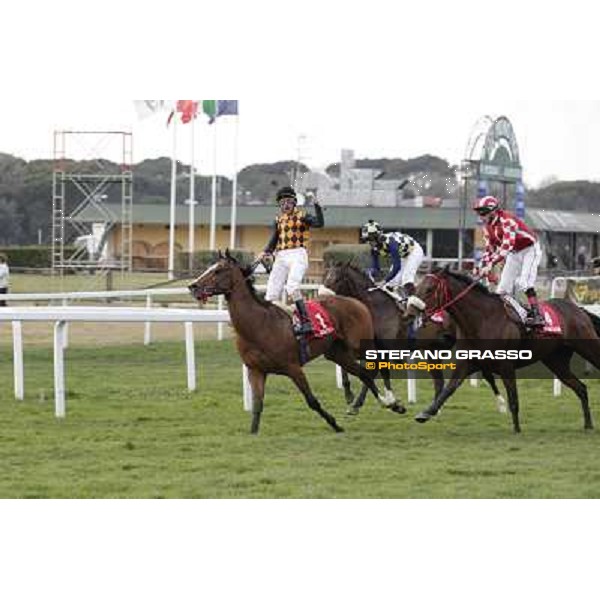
(320, 319)
(438, 317)
(553, 325)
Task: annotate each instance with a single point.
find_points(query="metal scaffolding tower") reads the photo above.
(77, 187)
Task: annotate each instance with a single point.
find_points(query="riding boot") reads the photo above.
(305, 325)
(411, 298)
(534, 316)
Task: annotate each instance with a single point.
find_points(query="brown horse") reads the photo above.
(266, 340)
(482, 316)
(390, 325)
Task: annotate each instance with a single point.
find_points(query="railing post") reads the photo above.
(18, 360)
(247, 389)
(411, 384)
(220, 325)
(190, 356)
(59, 369)
(66, 328)
(148, 324)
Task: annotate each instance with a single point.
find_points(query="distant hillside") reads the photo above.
(259, 183)
(398, 168)
(567, 195)
(25, 188)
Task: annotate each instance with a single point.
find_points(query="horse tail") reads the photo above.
(595, 321)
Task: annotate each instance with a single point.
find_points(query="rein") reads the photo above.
(209, 292)
(446, 296)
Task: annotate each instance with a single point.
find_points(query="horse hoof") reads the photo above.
(422, 417)
(352, 411)
(397, 408)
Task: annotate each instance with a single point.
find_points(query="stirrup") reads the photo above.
(303, 328)
(535, 321)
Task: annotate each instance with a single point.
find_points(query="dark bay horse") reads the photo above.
(389, 322)
(266, 340)
(482, 316)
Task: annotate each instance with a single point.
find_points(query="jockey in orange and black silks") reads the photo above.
(291, 234)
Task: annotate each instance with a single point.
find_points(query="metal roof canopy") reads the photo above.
(347, 217)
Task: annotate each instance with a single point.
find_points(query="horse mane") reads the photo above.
(468, 280)
(260, 299)
(247, 271)
(351, 283)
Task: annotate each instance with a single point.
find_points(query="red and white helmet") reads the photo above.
(485, 206)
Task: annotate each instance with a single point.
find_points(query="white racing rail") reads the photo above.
(67, 298)
(560, 283)
(62, 315)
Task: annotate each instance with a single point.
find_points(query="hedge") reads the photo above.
(359, 254)
(31, 257)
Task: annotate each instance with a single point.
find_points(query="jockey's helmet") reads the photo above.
(285, 193)
(371, 232)
(486, 206)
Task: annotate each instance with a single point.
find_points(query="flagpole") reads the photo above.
(171, 267)
(235, 181)
(213, 205)
(192, 201)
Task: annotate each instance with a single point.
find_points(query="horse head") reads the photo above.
(346, 278)
(441, 288)
(218, 279)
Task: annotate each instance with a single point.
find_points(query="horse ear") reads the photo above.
(220, 255)
(446, 269)
(227, 255)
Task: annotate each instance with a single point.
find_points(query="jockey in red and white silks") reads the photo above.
(507, 238)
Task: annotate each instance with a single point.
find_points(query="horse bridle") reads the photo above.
(443, 293)
(210, 291)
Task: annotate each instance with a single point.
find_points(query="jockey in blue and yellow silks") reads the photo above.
(405, 253)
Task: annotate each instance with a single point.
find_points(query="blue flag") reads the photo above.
(219, 108)
(227, 107)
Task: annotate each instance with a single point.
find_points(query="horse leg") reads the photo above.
(590, 350)
(344, 357)
(347, 387)
(500, 401)
(510, 384)
(463, 370)
(438, 382)
(387, 382)
(560, 364)
(297, 376)
(355, 406)
(257, 383)
(390, 398)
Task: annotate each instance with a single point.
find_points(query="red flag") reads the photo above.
(188, 110)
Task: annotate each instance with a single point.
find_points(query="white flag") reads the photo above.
(147, 108)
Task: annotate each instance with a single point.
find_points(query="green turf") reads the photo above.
(133, 431)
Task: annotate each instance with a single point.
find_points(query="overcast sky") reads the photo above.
(384, 79)
(556, 138)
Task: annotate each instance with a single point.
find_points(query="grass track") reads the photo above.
(133, 431)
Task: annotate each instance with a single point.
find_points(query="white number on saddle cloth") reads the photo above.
(321, 321)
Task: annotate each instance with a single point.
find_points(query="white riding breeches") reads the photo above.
(410, 266)
(520, 270)
(288, 271)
